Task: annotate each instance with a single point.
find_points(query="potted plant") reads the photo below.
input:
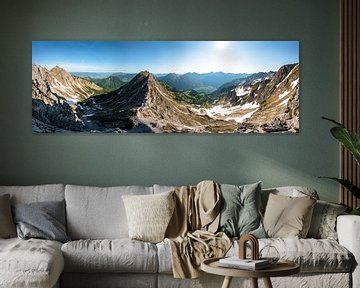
(351, 141)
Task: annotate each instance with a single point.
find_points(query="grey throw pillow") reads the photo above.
(7, 227)
(44, 220)
(240, 213)
(323, 222)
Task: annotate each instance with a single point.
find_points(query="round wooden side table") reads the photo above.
(281, 268)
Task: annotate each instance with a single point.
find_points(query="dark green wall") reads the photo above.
(101, 159)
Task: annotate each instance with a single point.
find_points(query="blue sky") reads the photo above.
(165, 56)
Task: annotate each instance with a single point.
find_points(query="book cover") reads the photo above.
(236, 262)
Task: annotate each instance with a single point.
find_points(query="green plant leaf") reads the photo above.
(347, 184)
(348, 138)
(333, 121)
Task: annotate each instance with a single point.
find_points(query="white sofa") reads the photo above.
(101, 254)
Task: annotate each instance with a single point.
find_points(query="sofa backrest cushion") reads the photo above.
(36, 193)
(7, 226)
(98, 212)
(163, 188)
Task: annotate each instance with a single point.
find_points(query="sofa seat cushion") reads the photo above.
(30, 263)
(115, 255)
(313, 255)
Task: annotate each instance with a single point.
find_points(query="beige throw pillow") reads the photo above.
(149, 215)
(288, 217)
(7, 226)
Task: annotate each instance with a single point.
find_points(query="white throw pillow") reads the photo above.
(149, 215)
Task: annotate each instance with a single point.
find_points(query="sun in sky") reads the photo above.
(221, 45)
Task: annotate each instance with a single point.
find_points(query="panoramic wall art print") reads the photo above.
(165, 86)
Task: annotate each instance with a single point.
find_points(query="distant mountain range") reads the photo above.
(92, 75)
(204, 103)
(201, 82)
(206, 82)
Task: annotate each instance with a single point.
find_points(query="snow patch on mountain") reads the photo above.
(252, 105)
(241, 91)
(285, 102)
(241, 119)
(235, 113)
(294, 83)
(219, 110)
(282, 95)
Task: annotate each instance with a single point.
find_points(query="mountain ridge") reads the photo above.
(206, 82)
(57, 82)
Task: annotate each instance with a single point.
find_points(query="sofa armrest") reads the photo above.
(348, 230)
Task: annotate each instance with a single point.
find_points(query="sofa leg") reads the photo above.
(227, 282)
(254, 282)
(267, 283)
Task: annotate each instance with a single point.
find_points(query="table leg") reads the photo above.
(254, 282)
(267, 283)
(227, 282)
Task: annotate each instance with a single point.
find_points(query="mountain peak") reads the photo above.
(39, 71)
(60, 72)
(286, 68)
(144, 76)
(57, 68)
(144, 73)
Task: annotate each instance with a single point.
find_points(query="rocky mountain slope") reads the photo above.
(272, 101)
(279, 102)
(248, 80)
(57, 82)
(54, 96)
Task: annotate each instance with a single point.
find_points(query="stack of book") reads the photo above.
(248, 264)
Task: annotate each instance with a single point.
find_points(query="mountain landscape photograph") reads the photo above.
(165, 86)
